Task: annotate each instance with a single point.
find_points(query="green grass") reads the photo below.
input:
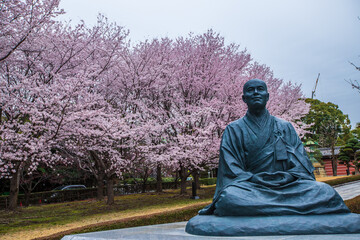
(62, 213)
(168, 217)
(49, 215)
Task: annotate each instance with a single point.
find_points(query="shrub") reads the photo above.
(338, 181)
(207, 181)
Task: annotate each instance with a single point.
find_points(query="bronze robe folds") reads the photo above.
(268, 149)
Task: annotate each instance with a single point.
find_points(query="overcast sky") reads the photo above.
(296, 39)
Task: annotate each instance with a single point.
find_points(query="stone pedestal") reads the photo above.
(211, 225)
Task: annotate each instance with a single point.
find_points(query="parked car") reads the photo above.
(69, 187)
(55, 196)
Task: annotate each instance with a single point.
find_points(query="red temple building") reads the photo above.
(326, 157)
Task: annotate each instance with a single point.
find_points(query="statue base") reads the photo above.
(211, 225)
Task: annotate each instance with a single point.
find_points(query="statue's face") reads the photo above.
(255, 94)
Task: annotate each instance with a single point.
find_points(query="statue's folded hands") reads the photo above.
(275, 179)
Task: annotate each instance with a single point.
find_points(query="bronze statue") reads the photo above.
(264, 171)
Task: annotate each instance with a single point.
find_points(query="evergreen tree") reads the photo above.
(349, 154)
(328, 124)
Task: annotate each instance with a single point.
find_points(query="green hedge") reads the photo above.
(333, 182)
(338, 181)
(139, 180)
(212, 181)
(150, 180)
(207, 181)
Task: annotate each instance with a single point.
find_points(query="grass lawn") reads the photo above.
(60, 219)
(47, 219)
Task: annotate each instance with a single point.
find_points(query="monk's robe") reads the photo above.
(269, 149)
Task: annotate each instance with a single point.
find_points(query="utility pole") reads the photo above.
(313, 91)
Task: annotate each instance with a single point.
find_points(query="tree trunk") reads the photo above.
(143, 185)
(333, 161)
(100, 187)
(158, 178)
(176, 179)
(14, 190)
(183, 186)
(196, 179)
(27, 187)
(144, 180)
(183, 176)
(27, 198)
(110, 191)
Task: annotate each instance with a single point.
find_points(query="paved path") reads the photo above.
(349, 190)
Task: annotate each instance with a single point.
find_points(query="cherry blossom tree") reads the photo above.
(94, 132)
(52, 91)
(24, 136)
(143, 85)
(84, 95)
(205, 86)
(21, 20)
(186, 91)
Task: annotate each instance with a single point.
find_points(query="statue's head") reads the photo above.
(255, 94)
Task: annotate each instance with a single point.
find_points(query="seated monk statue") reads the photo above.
(264, 171)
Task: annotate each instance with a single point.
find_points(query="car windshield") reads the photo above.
(76, 187)
(58, 188)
